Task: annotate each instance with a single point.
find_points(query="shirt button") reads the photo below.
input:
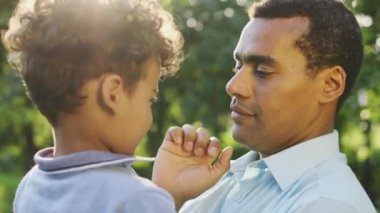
(238, 196)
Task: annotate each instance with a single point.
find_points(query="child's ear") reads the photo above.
(111, 93)
(334, 83)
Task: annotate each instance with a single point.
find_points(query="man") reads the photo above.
(296, 62)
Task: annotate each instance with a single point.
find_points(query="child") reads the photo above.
(92, 68)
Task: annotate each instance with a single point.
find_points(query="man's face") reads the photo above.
(274, 103)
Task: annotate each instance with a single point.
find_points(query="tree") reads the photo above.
(19, 119)
(197, 95)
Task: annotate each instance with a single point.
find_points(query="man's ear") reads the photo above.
(111, 93)
(334, 83)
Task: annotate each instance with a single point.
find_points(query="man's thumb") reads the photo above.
(222, 165)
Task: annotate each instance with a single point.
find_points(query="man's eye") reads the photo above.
(261, 73)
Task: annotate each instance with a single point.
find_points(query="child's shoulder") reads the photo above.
(101, 187)
(122, 185)
(102, 170)
(122, 178)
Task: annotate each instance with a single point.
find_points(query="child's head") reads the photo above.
(61, 46)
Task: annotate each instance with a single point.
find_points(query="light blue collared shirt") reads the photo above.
(312, 176)
(91, 181)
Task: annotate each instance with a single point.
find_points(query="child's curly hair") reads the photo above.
(58, 45)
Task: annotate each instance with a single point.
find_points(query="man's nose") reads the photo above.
(240, 85)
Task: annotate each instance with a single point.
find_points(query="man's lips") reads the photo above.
(241, 110)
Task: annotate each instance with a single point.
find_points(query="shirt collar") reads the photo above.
(81, 161)
(288, 165)
(240, 165)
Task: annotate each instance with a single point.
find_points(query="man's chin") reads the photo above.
(244, 137)
(239, 136)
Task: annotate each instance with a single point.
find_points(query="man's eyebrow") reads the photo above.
(256, 59)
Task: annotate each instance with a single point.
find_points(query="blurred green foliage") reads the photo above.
(197, 95)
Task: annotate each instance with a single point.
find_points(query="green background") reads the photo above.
(197, 95)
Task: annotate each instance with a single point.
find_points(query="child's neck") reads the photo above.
(76, 137)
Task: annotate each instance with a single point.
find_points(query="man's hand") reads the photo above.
(188, 162)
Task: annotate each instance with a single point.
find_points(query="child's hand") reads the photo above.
(184, 163)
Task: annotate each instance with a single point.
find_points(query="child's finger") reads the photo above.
(202, 142)
(214, 147)
(189, 137)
